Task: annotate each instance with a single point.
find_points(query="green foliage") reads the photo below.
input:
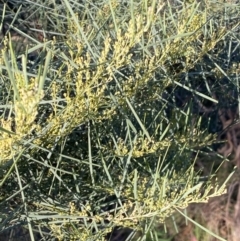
(91, 127)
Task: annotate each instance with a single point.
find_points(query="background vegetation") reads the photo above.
(115, 117)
